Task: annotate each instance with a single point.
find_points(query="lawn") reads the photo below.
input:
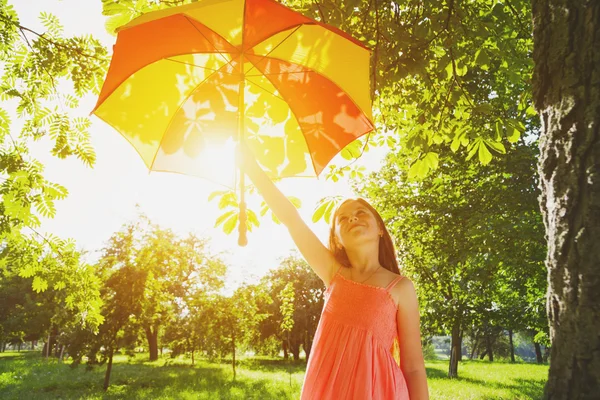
(27, 376)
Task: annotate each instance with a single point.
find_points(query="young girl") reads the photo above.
(367, 344)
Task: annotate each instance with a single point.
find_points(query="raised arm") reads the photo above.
(319, 258)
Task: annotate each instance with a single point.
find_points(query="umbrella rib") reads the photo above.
(175, 113)
(193, 65)
(266, 90)
(211, 43)
(282, 73)
(273, 49)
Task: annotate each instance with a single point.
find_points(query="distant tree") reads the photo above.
(308, 292)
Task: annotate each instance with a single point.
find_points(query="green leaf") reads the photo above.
(513, 135)
(431, 160)
(39, 285)
(223, 217)
(251, 220)
(482, 59)
(496, 146)
(352, 150)
(484, 154)
(229, 199)
(231, 223)
(319, 211)
(217, 193)
(498, 128)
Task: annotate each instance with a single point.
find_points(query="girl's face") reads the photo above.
(355, 224)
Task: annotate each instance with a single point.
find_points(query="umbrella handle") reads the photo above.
(242, 239)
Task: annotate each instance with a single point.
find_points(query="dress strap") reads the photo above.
(393, 283)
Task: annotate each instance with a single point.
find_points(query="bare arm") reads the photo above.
(411, 354)
(314, 252)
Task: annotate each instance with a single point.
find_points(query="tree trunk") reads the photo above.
(307, 344)
(285, 349)
(108, 370)
(566, 93)
(474, 349)
(233, 352)
(488, 347)
(152, 337)
(295, 349)
(512, 346)
(538, 353)
(455, 348)
(460, 341)
(192, 356)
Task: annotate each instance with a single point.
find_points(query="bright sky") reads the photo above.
(102, 199)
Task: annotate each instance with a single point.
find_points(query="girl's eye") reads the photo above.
(342, 219)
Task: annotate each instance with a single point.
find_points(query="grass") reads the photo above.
(26, 375)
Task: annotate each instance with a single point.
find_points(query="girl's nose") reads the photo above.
(353, 218)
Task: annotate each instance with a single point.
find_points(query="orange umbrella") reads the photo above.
(187, 80)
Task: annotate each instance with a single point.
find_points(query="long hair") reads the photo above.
(387, 253)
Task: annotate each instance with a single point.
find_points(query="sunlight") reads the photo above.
(218, 160)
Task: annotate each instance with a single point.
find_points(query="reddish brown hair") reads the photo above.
(387, 253)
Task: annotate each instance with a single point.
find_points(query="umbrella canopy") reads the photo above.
(187, 80)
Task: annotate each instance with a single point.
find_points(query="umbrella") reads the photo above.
(186, 81)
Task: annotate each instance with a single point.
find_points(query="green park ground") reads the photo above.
(26, 375)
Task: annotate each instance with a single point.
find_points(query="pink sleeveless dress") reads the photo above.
(355, 352)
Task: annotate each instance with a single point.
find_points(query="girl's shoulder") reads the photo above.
(403, 290)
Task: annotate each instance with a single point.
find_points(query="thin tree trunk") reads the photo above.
(455, 348)
(108, 370)
(538, 353)
(512, 346)
(566, 93)
(475, 344)
(152, 337)
(460, 341)
(48, 344)
(192, 356)
(482, 355)
(233, 352)
(488, 347)
(285, 349)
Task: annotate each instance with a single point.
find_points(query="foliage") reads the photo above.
(471, 237)
(295, 308)
(35, 66)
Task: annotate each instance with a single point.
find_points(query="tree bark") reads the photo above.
(285, 349)
(108, 370)
(566, 89)
(455, 348)
(152, 337)
(512, 346)
(474, 349)
(488, 347)
(295, 348)
(233, 352)
(538, 353)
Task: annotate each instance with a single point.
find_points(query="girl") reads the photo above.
(367, 344)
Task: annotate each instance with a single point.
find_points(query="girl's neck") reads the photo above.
(363, 260)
